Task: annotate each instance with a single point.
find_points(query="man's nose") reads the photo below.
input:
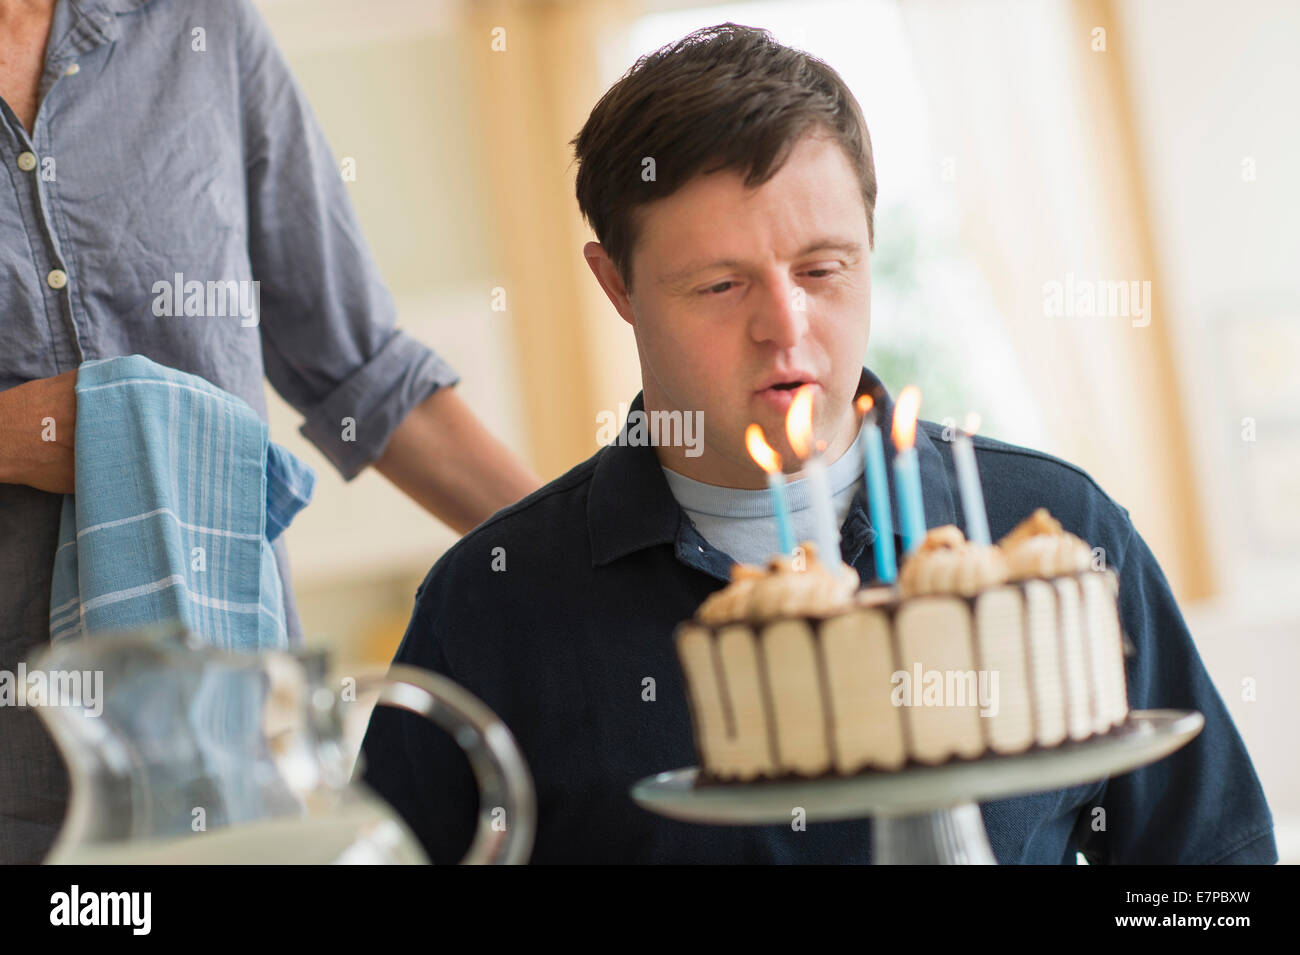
(781, 313)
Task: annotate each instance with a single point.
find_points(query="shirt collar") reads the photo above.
(78, 27)
(86, 24)
(630, 506)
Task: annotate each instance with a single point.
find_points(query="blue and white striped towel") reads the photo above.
(179, 495)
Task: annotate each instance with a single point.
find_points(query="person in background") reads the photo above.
(148, 145)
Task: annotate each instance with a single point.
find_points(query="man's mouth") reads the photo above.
(778, 393)
(791, 380)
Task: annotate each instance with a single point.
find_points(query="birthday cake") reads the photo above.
(796, 671)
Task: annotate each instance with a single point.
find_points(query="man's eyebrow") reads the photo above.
(682, 274)
(829, 243)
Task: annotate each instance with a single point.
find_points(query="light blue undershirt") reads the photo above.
(742, 523)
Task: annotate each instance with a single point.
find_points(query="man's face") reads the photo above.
(740, 295)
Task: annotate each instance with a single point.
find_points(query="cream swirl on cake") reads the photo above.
(947, 563)
(1040, 547)
(781, 590)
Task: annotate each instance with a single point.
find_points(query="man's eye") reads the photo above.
(820, 273)
(718, 288)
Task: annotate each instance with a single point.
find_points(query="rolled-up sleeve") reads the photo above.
(327, 322)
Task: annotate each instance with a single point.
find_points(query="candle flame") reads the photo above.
(865, 403)
(905, 411)
(972, 422)
(761, 451)
(798, 421)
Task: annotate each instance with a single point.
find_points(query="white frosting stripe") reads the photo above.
(1000, 625)
(860, 662)
(1074, 659)
(934, 637)
(796, 697)
(1047, 677)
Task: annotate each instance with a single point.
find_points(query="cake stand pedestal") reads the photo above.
(925, 815)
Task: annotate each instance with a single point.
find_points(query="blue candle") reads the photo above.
(776, 485)
(907, 475)
(873, 469)
(770, 462)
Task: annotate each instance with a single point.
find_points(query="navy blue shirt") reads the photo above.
(602, 564)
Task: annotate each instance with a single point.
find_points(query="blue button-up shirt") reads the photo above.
(173, 152)
(602, 564)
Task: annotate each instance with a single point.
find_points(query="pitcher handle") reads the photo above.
(504, 781)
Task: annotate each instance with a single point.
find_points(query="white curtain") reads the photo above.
(1030, 102)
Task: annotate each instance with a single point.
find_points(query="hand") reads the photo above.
(38, 423)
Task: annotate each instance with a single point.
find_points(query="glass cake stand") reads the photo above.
(925, 815)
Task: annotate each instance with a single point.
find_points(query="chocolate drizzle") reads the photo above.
(724, 694)
(904, 719)
(824, 686)
(769, 704)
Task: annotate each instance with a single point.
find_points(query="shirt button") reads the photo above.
(27, 161)
(72, 70)
(57, 279)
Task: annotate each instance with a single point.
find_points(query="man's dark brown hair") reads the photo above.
(724, 97)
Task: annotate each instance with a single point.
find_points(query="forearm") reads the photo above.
(38, 422)
(445, 460)
(12, 431)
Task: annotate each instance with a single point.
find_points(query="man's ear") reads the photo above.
(602, 266)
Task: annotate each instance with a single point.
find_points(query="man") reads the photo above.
(743, 267)
(148, 145)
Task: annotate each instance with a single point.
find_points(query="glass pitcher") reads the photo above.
(179, 752)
